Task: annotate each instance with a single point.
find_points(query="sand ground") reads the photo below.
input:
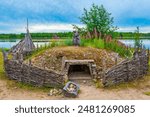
(89, 92)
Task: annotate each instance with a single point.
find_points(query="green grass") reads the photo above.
(122, 51)
(113, 46)
(147, 93)
(2, 73)
(68, 42)
(140, 83)
(6, 49)
(21, 85)
(96, 43)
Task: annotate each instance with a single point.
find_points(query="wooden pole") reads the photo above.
(148, 60)
(104, 70)
(116, 60)
(30, 63)
(127, 67)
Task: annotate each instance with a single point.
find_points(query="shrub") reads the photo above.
(122, 51)
(97, 43)
(53, 44)
(6, 49)
(68, 42)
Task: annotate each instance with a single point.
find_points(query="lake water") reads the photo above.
(145, 42)
(8, 43)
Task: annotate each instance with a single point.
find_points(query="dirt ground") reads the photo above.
(87, 93)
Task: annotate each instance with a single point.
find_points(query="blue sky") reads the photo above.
(59, 15)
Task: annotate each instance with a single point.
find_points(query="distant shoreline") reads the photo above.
(45, 39)
(131, 38)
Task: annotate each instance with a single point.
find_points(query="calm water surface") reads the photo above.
(145, 42)
(8, 43)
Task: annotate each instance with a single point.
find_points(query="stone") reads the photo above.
(15, 87)
(54, 92)
(71, 89)
(88, 63)
(84, 81)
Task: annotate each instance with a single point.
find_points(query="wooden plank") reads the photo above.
(79, 61)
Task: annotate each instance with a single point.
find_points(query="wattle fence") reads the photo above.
(33, 75)
(128, 70)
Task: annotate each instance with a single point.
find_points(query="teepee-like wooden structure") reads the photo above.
(25, 46)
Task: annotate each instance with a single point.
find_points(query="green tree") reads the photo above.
(98, 18)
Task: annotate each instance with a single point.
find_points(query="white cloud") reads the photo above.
(66, 11)
(57, 27)
(145, 29)
(52, 27)
(41, 28)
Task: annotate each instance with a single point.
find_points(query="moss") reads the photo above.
(2, 72)
(25, 86)
(98, 83)
(147, 93)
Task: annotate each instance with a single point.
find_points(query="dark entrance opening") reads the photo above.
(79, 72)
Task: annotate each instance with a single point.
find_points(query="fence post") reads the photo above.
(116, 59)
(30, 63)
(138, 67)
(63, 64)
(127, 67)
(104, 70)
(148, 60)
(14, 56)
(28, 71)
(21, 58)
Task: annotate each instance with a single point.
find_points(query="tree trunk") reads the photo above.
(95, 33)
(99, 35)
(89, 35)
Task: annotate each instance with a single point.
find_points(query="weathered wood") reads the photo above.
(79, 61)
(25, 46)
(33, 75)
(127, 70)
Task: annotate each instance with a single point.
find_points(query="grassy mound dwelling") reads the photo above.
(52, 58)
